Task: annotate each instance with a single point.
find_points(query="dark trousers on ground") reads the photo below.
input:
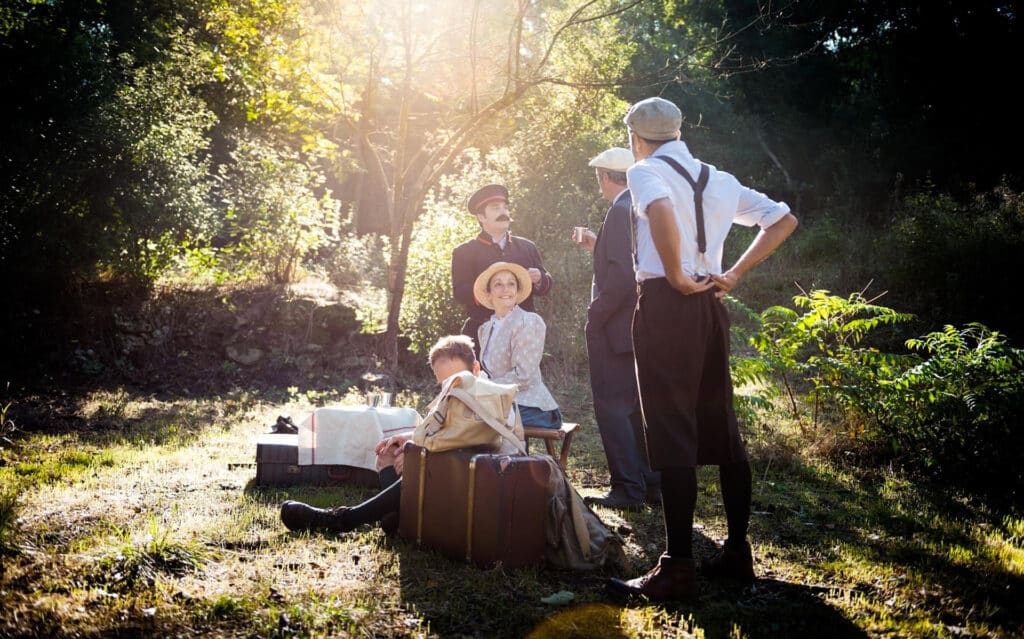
(617, 409)
(388, 500)
(681, 345)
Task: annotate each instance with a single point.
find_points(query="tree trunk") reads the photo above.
(396, 290)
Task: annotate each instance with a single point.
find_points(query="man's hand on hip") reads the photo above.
(725, 283)
(687, 285)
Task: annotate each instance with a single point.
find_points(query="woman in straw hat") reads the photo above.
(512, 342)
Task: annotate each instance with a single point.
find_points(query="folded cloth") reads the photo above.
(347, 435)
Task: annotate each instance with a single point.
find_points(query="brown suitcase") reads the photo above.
(277, 464)
(478, 507)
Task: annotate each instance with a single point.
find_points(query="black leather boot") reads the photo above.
(297, 516)
(734, 561)
(669, 580)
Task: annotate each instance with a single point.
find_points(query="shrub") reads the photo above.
(953, 413)
(274, 217)
(951, 261)
(957, 414)
(824, 351)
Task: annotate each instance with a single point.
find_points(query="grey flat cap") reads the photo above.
(654, 119)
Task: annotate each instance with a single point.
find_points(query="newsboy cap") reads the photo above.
(613, 159)
(654, 119)
(486, 194)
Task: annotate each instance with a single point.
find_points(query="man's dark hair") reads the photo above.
(618, 177)
(453, 347)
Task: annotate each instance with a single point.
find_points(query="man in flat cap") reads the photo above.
(610, 344)
(490, 205)
(683, 210)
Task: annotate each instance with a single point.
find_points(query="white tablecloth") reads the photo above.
(348, 434)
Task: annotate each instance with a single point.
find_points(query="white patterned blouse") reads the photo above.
(510, 352)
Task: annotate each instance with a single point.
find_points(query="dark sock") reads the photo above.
(736, 487)
(386, 501)
(678, 499)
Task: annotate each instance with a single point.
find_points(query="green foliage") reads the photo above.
(958, 412)
(136, 565)
(106, 161)
(155, 131)
(274, 217)
(950, 408)
(953, 262)
(10, 509)
(824, 349)
(754, 386)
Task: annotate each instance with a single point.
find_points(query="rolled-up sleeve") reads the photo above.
(756, 208)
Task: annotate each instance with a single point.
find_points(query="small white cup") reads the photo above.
(578, 234)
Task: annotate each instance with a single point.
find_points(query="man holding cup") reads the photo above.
(610, 344)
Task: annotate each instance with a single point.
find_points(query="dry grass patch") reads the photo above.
(135, 523)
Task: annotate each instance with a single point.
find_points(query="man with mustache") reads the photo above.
(490, 205)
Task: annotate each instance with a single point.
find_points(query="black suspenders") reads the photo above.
(698, 195)
(698, 201)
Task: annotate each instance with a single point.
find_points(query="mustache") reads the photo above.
(503, 218)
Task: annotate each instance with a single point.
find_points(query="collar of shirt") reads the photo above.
(678, 150)
(498, 320)
(502, 243)
(621, 195)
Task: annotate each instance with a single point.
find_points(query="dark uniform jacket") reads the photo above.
(469, 260)
(613, 293)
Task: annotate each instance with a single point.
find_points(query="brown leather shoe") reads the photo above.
(296, 516)
(734, 561)
(669, 580)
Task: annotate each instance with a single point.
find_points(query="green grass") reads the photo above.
(132, 523)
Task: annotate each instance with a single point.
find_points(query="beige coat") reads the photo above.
(511, 350)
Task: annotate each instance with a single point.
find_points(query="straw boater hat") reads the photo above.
(480, 285)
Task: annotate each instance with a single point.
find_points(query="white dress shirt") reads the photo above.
(726, 201)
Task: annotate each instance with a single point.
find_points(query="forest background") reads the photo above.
(216, 197)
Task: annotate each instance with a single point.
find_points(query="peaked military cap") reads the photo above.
(486, 194)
